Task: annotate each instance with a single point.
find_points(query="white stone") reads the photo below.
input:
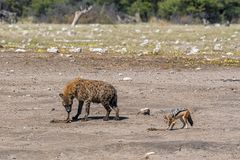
(98, 50)
(229, 53)
(144, 43)
(218, 47)
(193, 50)
(20, 50)
(75, 50)
(127, 79)
(53, 50)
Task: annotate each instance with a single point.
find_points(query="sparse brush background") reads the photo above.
(210, 43)
(177, 11)
(214, 43)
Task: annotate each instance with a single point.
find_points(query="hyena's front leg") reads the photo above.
(79, 111)
(87, 110)
(68, 120)
(108, 110)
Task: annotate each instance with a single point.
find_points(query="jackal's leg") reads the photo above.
(87, 110)
(184, 124)
(108, 110)
(172, 125)
(185, 120)
(117, 113)
(79, 111)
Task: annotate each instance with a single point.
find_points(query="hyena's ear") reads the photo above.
(61, 95)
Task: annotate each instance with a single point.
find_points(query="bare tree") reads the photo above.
(78, 14)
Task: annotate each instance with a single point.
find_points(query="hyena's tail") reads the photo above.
(190, 120)
(113, 102)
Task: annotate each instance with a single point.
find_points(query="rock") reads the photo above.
(68, 55)
(127, 79)
(75, 50)
(144, 111)
(1, 46)
(20, 50)
(229, 53)
(146, 156)
(98, 50)
(157, 48)
(122, 51)
(193, 50)
(53, 50)
(144, 43)
(120, 74)
(137, 31)
(218, 47)
(198, 69)
(64, 29)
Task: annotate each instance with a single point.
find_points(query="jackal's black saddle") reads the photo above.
(176, 111)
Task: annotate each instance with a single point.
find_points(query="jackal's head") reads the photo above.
(67, 102)
(168, 119)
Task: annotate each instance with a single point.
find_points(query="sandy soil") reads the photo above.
(30, 84)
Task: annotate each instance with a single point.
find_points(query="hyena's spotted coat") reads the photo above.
(87, 91)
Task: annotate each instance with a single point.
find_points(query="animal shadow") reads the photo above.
(90, 118)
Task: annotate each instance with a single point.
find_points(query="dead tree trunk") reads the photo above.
(78, 14)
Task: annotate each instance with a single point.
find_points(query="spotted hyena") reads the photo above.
(89, 91)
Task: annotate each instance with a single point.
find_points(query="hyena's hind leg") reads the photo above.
(113, 104)
(108, 111)
(116, 109)
(87, 110)
(79, 111)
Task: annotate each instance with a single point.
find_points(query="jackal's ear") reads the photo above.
(61, 95)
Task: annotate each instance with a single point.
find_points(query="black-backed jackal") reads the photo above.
(180, 113)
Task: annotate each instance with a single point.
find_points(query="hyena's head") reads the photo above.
(67, 102)
(168, 119)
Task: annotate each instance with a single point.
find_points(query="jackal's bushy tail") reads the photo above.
(190, 120)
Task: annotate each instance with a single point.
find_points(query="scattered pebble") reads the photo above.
(146, 156)
(68, 55)
(193, 50)
(53, 50)
(229, 53)
(98, 50)
(144, 43)
(127, 79)
(144, 111)
(20, 50)
(198, 69)
(75, 50)
(218, 47)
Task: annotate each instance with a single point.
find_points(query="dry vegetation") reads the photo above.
(189, 44)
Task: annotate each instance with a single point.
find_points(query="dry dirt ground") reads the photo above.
(29, 88)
